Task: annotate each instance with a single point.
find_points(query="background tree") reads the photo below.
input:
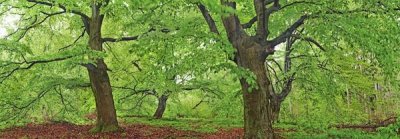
(164, 64)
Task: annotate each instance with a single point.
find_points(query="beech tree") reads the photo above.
(247, 32)
(254, 45)
(34, 13)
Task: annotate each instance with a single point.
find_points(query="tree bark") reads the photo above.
(99, 79)
(257, 108)
(101, 87)
(251, 54)
(276, 108)
(162, 104)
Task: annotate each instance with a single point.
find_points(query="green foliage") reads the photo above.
(390, 131)
(339, 134)
(176, 55)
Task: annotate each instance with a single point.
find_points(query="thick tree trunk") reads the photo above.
(257, 108)
(106, 115)
(251, 54)
(100, 82)
(162, 104)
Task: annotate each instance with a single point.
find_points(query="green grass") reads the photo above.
(339, 134)
(192, 124)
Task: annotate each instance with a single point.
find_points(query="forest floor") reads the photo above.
(147, 128)
(143, 128)
(66, 130)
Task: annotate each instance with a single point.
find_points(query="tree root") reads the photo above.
(368, 127)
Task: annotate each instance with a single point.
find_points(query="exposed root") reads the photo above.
(368, 127)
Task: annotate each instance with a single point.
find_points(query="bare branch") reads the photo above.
(34, 24)
(298, 2)
(135, 63)
(210, 21)
(250, 23)
(277, 64)
(134, 92)
(275, 74)
(287, 88)
(5, 75)
(288, 32)
(288, 61)
(59, 92)
(86, 24)
(281, 38)
(132, 38)
(198, 104)
(38, 97)
(60, 6)
(309, 39)
(76, 40)
(276, 7)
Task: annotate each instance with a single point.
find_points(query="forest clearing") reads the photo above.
(207, 69)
